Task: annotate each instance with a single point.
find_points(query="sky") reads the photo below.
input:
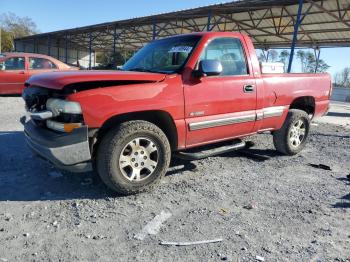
(64, 14)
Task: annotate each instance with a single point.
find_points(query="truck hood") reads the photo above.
(58, 80)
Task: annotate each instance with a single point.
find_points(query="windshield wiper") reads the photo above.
(141, 69)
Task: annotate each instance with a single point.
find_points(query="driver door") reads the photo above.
(221, 107)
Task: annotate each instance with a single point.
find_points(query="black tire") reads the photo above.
(282, 139)
(115, 142)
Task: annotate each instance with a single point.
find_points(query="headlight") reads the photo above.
(57, 106)
(62, 127)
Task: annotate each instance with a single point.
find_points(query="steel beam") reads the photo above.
(317, 51)
(58, 49)
(78, 63)
(295, 35)
(49, 45)
(66, 48)
(90, 49)
(154, 33)
(34, 46)
(209, 21)
(329, 12)
(114, 46)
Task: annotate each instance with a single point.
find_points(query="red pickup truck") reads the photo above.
(173, 95)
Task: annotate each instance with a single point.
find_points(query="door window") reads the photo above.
(15, 63)
(36, 63)
(230, 53)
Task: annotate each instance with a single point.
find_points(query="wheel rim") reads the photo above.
(297, 133)
(138, 159)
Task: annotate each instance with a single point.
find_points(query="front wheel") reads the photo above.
(291, 138)
(133, 157)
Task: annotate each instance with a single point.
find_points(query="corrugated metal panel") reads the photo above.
(269, 22)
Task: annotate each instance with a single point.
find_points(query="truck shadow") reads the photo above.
(330, 135)
(25, 177)
(13, 95)
(336, 114)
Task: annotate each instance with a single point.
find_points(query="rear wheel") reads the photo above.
(291, 138)
(133, 157)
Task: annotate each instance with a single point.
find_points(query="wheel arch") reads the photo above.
(305, 103)
(160, 118)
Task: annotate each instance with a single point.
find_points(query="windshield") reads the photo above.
(163, 56)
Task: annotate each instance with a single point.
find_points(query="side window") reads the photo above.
(230, 53)
(40, 63)
(15, 63)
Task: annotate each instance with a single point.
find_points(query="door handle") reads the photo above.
(248, 88)
(21, 72)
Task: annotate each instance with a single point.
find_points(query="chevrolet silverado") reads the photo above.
(174, 96)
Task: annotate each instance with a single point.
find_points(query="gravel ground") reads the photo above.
(275, 208)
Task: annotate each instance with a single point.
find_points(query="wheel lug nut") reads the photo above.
(142, 152)
(142, 163)
(135, 153)
(136, 165)
(145, 157)
(133, 159)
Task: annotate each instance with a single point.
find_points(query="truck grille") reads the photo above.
(35, 98)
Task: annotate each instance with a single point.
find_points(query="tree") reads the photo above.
(342, 78)
(273, 55)
(309, 63)
(302, 57)
(284, 58)
(261, 57)
(107, 61)
(268, 56)
(13, 27)
(322, 66)
(6, 41)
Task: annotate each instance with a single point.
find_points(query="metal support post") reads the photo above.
(49, 45)
(209, 21)
(114, 47)
(154, 34)
(90, 50)
(295, 35)
(317, 51)
(66, 48)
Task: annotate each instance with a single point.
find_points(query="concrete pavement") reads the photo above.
(339, 114)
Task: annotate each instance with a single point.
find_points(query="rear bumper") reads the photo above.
(68, 151)
(322, 108)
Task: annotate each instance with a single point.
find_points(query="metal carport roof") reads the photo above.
(270, 23)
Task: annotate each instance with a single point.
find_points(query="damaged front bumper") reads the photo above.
(67, 151)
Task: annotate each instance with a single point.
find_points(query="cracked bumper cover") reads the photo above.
(68, 151)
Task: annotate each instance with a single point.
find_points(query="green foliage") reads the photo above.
(13, 27)
(308, 63)
(284, 58)
(6, 41)
(261, 57)
(107, 60)
(272, 55)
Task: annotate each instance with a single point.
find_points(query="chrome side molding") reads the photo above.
(221, 122)
(268, 112)
(273, 111)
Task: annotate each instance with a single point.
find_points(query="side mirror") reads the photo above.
(209, 68)
(2, 66)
